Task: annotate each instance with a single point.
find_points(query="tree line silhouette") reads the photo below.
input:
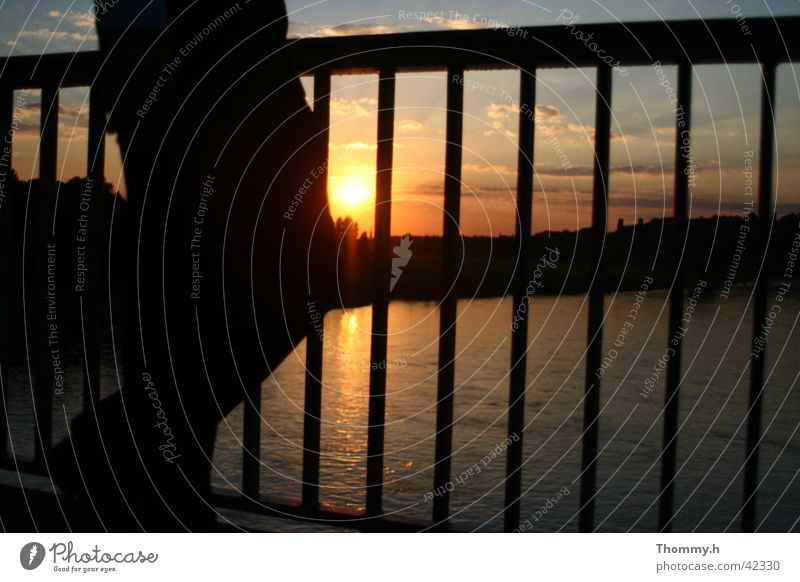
(717, 249)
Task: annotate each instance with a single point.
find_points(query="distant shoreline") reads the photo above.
(737, 289)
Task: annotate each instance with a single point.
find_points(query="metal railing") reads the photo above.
(684, 44)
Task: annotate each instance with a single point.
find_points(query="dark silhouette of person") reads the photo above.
(227, 236)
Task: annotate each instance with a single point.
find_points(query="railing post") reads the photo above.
(48, 344)
(93, 292)
(251, 440)
(591, 411)
(519, 328)
(765, 220)
(313, 397)
(451, 259)
(380, 306)
(683, 160)
(7, 198)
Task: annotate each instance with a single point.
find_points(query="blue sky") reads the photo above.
(726, 101)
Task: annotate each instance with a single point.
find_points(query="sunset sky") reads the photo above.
(725, 118)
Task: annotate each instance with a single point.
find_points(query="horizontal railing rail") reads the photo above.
(684, 43)
(670, 42)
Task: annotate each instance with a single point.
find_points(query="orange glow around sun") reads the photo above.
(351, 195)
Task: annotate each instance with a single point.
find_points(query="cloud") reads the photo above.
(452, 24)
(352, 107)
(504, 117)
(307, 29)
(504, 110)
(642, 170)
(499, 129)
(435, 190)
(494, 168)
(500, 114)
(582, 129)
(501, 110)
(73, 120)
(505, 132)
(304, 28)
(560, 171)
(409, 125)
(46, 34)
(587, 130)
(53, 31)
(626, 138)
(354, 146)
(45, 40)
(72, 133)
(77, 18)
(74, 111)
(548, 112)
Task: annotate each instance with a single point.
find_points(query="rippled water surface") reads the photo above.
(714, 396)
(713, 407)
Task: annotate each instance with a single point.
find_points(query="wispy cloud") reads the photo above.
(353, 107)
(503, 118)
(56, 31)
(494, 168)
(354, 146)
(581, 128)
(501, 110)
(304, 29)
(77, 18)
(409, 125)
(48, 34)
(550, 112)
(642, 170)
(451, 23)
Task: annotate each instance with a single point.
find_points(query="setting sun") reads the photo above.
(350, 194)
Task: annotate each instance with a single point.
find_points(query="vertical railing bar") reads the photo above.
(251, 441)
(451, 258)
(313, 397)
(602, 144)
(44, 203)
(675, 337)
(519, 328)
(380, 306)
(94, 304)
(7, 198)
(764, 223)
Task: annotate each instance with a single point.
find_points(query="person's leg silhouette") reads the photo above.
(216, 277)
